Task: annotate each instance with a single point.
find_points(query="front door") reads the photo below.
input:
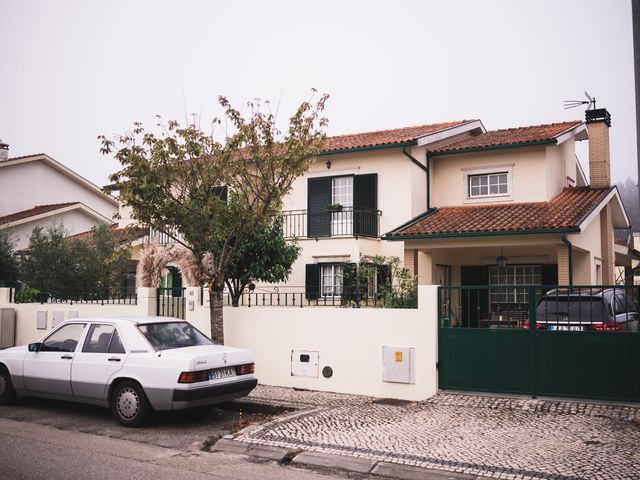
(48, 372)
(102, 355)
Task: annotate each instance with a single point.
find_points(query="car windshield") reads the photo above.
(167, 335)
(584, 309)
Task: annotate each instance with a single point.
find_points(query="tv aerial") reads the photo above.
(590, 102)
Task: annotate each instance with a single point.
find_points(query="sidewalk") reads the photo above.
(467, 435)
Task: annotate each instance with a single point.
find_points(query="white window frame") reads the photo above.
(342, 193)
(468, 173)
(334, 272)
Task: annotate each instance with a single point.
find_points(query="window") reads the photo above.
(513, 299)
(331, 280)
(64, 339)
(489, 184)
(357, 214)
(103, 339)
(342, 194)
(164, 336)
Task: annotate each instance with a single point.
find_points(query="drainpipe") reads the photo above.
(570, 247)
(425, 169)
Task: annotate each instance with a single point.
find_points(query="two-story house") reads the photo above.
(460, 205)
(37, 190)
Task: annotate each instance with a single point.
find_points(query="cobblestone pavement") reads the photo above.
(495, 437)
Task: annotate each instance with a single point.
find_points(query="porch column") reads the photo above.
(606, 241)
(425, 268)
(410, 261)
(563, 265)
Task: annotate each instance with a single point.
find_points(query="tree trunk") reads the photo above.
(215, 314)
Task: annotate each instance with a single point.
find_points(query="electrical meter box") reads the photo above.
(7, 327)
(398, 364)
(304, 363)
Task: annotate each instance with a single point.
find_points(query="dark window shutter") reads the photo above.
(365, 205)
(472, 299)
(312, 281)
(318, 197)
(549, 274)
(221, 193)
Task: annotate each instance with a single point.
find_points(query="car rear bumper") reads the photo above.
(213, 394)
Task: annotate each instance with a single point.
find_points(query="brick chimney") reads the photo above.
(598, 123)
(4, 151)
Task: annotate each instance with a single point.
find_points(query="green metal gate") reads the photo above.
(170, 302)
(509, 339)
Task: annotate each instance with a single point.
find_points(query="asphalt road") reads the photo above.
(32, 452)
(43, 439)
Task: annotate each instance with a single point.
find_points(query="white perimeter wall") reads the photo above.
(349, 340)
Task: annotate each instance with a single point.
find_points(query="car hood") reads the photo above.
(203, 357)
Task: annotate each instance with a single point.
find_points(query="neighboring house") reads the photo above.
(451, 199)
(39, 191)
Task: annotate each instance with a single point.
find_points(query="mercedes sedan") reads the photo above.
(130, 365)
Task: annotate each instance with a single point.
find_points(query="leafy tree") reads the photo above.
(173, 182)
(89, 265)
(264, 256)
(396, 286)
(48, 265)
(102, 261)
(8, 262)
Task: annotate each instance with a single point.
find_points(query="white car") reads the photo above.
(129, 365)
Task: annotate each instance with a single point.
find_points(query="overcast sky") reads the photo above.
(70, 70)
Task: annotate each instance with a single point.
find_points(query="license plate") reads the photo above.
(567, 328)
(222, 373)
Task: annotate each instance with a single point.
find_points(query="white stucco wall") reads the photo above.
(348, 340)
(74, 221)
(25, 185)
(538, 173)
(588, 247)
(401, 193)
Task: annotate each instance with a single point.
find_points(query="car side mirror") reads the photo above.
(35, 347)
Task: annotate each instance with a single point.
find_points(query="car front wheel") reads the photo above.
(7, 393)
(129, 404)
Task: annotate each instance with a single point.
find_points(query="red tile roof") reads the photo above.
(37, 210)
(386, 137)
(564, 211)
(509, 136)
(119, 235)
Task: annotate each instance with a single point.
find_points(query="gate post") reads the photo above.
(533, 332)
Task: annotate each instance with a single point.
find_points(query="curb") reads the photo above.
(327, 461)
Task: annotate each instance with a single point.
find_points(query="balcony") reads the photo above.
(345, 222)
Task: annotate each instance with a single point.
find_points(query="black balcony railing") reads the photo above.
(343, 222)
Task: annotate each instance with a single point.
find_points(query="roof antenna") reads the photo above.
(590, 102)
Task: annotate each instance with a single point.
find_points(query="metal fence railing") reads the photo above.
(312, 296)
(98, 295)
(612, 308)
(342, 222)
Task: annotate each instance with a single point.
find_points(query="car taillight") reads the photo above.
(192, 377)
(245, 369)
(607, 327)
(539, 326)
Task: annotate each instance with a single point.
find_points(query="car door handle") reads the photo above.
(114, 359)
(67, 357)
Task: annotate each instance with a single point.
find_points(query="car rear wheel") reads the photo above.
(129, 404)
(7, 393)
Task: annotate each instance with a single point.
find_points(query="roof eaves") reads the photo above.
(459, 151)
(367, 148)
(427, 236)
